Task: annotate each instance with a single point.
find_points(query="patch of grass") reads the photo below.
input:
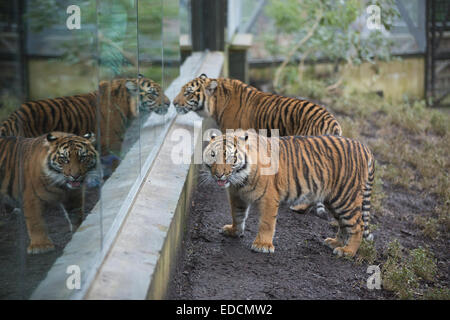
(403, 271)
(443, 214)
(439, 124)
(394, 250)
(407, 115)
(402, 176)
(437, 294)
(422, 262)
(397, 276)
(429, 226)
(400, 279)
(367, 252)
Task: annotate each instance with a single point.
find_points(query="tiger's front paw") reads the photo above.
(344, 251)
(230, 231)
(36, 248)
(332, 243)
(263, 247)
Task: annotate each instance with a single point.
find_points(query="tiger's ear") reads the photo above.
(131, 86)
(51, 138)
(140, 76)
(203, 76)
(211, 87)
(90, 136)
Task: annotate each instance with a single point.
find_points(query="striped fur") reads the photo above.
(78, 114)
(236, 105)
(44, 170)
(332, 170)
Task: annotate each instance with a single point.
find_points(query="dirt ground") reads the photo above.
(213, 266)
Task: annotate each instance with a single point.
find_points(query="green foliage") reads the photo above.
(429, 226)
(400, 279)
(402, 274)
(437, 294)
(367, 252)
(397, 275)
(338, 35)
(438, 123)
(422, 262)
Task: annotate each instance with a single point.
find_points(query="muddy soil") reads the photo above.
(212, 266)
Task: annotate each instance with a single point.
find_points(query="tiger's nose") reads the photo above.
(219, 175)
(75, 177)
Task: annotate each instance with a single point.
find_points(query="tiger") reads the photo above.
(333, 170)
(37, 172)
(117, 101)
(236, 105)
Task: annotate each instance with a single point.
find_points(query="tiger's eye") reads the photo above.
(63, 159)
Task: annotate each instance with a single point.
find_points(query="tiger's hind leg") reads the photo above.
(338, 241)
(351, 227)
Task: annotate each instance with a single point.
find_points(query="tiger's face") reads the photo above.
(72, 160)
(227, 159)
(192, 96)
(151, 95)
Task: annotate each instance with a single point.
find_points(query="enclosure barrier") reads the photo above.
(144, 232)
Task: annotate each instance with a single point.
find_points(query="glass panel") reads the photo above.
(119, 91)
(185, 27)
(171, 41)
(45, 65)
(78, 67)
(150, 65)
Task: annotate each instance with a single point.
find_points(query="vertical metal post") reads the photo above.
(433, 46)
(427, 51)
(23, 61)
(208, 25)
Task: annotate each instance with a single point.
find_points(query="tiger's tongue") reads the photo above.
(222, 183)
(75, 184)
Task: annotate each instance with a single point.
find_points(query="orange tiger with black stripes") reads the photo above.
(117, 101)
(236, 105)
(333, 170)
(36, 172)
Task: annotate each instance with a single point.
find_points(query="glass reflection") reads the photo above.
(102, 85)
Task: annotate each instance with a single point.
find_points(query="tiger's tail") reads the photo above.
(366, 199)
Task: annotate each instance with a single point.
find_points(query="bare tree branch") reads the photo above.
(310, 33)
